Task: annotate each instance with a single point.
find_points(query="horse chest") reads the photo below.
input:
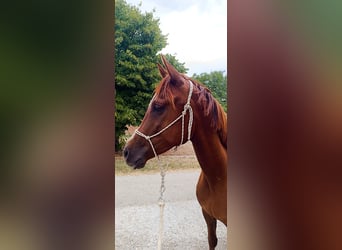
(212, 199)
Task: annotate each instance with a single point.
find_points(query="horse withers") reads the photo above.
(183, 109)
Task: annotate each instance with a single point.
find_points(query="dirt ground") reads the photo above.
(137, 213)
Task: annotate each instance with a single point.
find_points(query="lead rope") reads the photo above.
(161, 201)
(161, 204)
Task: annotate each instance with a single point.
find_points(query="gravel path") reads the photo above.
(137, 213)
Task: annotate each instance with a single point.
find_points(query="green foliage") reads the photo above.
(175, 63)
(138, 39)
(216, 81)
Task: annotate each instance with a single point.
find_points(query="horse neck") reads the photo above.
(210, 153)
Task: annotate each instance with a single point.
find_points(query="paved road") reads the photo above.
(137, 213)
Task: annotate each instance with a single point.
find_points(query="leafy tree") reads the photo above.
(138, 40)
(216, 81)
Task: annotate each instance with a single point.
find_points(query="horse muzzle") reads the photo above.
(135, 157)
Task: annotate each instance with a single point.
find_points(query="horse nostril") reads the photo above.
(126, 153)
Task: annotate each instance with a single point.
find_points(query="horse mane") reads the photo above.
(205, 99)
(211, 107)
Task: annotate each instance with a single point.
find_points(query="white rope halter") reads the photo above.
(187, 107)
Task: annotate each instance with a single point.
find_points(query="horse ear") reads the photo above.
(162, 71)
(175, 76)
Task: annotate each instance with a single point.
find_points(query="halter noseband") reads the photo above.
(187, 107)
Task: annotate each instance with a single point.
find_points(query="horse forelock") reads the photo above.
(163, 92)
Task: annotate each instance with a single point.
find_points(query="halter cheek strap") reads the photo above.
(187, 107)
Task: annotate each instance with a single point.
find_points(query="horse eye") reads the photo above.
(158, 107)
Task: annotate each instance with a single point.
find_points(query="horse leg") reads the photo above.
(211, 224)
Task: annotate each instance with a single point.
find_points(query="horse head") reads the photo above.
(167, 119)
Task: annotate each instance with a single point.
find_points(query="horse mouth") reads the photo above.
(140, 163)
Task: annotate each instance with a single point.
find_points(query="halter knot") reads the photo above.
(187, 106)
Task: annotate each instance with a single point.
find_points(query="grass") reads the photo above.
(175, 162)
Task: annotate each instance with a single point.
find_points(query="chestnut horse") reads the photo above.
(183, 108)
